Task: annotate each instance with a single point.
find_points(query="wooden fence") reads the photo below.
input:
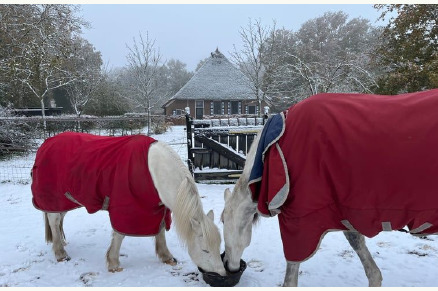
(217, 148)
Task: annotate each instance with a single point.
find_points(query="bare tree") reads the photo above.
(144, 63)
(87, 63)
(43, 42)
(258, 43)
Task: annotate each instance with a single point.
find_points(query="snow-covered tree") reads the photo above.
(327, 54)
(42, 42)
(176, 75)
(86, 63)
(144, 68)
(253, 57)
(108, 97)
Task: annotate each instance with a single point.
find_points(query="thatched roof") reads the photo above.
(216, 79)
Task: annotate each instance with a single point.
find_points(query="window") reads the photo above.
(217, 107)
(199, 109)
(251, 109)
(235, 107)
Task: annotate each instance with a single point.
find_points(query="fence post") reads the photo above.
(265, 115)
(190, 158)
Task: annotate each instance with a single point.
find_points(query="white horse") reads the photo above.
(178, 192)
(338, 162)
(240, 213)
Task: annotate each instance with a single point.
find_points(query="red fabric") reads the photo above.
(92, 168)
(363, 158)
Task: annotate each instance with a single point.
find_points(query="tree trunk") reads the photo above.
(149, 119)
(43, 114)
(260, 107)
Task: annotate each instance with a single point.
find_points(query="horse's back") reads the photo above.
(109, 167)
(370, 146)
(69, 157)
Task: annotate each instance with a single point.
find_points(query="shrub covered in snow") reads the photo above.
(15, 134)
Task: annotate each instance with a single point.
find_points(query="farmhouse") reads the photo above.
(218, 88)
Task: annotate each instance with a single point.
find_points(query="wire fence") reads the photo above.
(16, 168)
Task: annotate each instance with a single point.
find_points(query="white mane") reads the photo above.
(250, 157)
(188, 205)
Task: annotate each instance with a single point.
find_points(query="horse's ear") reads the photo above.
(196, 226)
(210, 215)
(227, 194)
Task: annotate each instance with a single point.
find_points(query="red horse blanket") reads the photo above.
(350, 161)
(100, 173)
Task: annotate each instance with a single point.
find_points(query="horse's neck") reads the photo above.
(175, 186)
(167, 171)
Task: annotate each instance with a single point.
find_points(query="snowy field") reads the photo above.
(27, 261)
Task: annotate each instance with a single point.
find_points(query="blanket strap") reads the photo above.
(386, 226)
(69, 197)
(105, 203)
(421, 228)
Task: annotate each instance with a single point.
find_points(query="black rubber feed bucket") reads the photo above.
(230, 280)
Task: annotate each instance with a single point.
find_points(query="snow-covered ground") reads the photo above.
(26, 260)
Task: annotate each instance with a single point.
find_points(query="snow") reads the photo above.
(27, 261)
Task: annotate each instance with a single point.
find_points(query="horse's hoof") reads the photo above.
(66, 258)
(114, 270)
(171, 262)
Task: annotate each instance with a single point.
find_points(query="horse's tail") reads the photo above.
(49, 236)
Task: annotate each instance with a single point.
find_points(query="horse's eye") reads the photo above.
(205, 251)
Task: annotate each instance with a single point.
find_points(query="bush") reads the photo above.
(16, 136)
(161, 127)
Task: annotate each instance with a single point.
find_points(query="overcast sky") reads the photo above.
(189, 32)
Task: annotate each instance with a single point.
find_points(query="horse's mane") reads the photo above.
(249, 162)
(188, 205)
(242, 182)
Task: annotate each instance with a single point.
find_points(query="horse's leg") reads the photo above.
(357, 242)
(291, 276)
(55, 234)
(161, 249)
(113, 253)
